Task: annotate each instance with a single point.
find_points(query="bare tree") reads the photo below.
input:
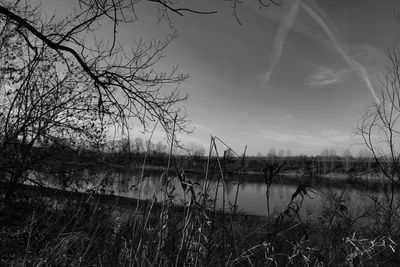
(380, 126)
(61, 81)
(126, 82)
(167, 6)
(380, 129)
(41, 104)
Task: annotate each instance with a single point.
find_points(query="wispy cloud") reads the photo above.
(289, 116)
(203, 128)
(288, 24)
(365, 52)
(276, 15)
(326, 76)
(306, 140)
(357, 67)
(280, 38)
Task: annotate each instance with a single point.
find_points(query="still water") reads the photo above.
(251, 195)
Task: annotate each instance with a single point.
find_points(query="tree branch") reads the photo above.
(23, 23)
(180, 10)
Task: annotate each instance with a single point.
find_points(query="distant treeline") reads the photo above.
(123, 153)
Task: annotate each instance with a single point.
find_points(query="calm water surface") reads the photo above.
(251, 197)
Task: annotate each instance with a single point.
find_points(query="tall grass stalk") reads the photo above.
(201, 231)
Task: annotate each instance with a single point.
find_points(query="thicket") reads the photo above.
(53, 227)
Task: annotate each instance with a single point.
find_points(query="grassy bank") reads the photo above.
(48, 227)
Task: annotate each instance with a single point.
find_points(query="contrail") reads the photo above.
(360, 70)
(280, 39)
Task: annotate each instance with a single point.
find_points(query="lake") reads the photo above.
(251, 194)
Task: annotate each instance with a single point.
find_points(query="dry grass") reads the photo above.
(87, 232)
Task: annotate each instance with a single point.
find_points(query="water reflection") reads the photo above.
(251, 197)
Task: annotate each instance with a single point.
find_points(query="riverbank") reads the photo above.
(373, 182)
(50, 227)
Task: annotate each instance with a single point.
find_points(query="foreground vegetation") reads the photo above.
(49, 227)
(40, 230)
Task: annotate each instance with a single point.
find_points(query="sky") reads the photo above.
(294, 77)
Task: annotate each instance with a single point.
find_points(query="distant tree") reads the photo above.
(125, 145)
(281, 155)
(139, 146)
(328, 160)
(196, 150)
(229, 153)
(160, 148)
(271, 155)
(347, 159)
(366, 157)
(150, 146)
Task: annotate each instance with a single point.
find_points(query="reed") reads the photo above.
(189, 231)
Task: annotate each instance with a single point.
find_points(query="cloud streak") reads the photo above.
(287, 25)
(357, 67)
(326, 76)
(280, 39)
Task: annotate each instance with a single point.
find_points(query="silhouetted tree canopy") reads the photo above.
(126, 83)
